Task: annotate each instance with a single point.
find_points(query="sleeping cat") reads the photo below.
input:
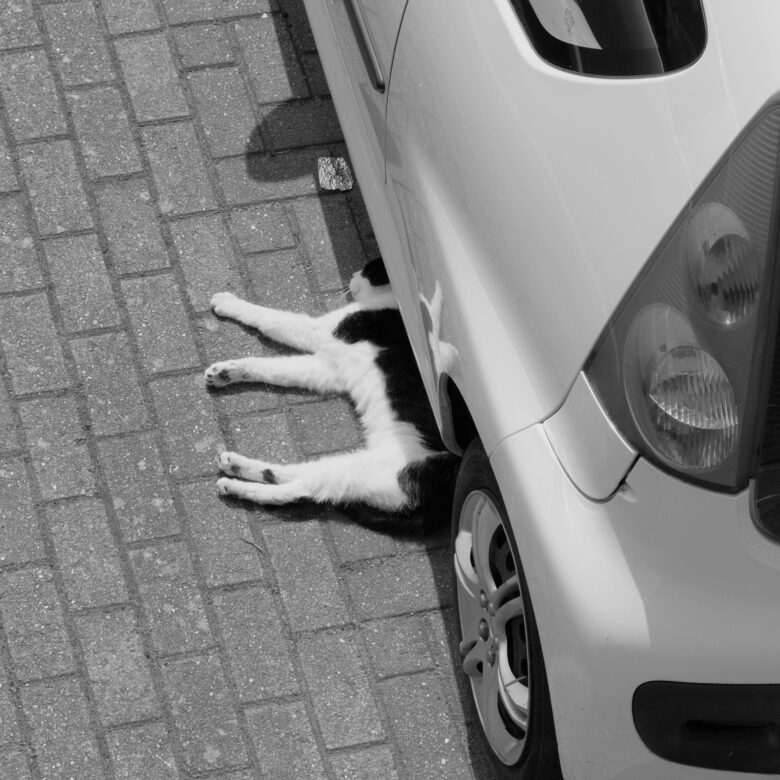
(361, 349)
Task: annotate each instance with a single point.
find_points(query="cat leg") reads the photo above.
(308, 371)
(354, 477)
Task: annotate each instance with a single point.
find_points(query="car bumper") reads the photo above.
(662, 581)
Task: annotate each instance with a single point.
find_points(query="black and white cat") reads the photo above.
(361, 349)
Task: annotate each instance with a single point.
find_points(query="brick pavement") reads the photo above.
(153, 152)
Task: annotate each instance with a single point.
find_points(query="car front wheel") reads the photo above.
(500, 647)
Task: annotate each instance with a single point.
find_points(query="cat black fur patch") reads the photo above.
(374, 271)
(405, 391)
(430, 485)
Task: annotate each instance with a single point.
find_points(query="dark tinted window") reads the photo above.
(615, 37)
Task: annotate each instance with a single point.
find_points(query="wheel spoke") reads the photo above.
(507, 746)
(486, 522)
(506, 612)
(474, 663)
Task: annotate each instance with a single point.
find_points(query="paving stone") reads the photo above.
(271, 60)
(392, 586)
(203, 44)
(23, 74)
(86, 553)
(124, 17)
(355, 542)
(55, 187)
(142, 751)
(299, 123)
(206, 721)
(225, 111)
(17, 25)
(117, 669)
(57, 445)
(30, 344)
(109, 379)
(262, 228)
(20, 536)
(398, 645)
(173, 604)
(141, 497)
(294, 14)
(280, 280)
(130, 226)
(284, 741)
(265, 437)
(160, 323)
(367, 764)
(62, 739)
(260, 177)
(8, 180)
(81, 283)
(103, 131)
(207, 258)
(178, 168)
(13, 763)
(255, 642)
(327, 230)
(9, 429)
(34, 625)
(179, 11)
(186, 416)
(343, 701)
(315, 75)
(428, 741)
(79, 50)
(19, 266)
(151, 77)
(307, 582)
(326, 426)
(218, 529)
(9, 729)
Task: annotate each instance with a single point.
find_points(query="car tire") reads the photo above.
(509, 699)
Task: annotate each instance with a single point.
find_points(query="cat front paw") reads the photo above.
(225, 304)
(221, 374)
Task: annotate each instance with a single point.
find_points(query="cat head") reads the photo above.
(370, 282)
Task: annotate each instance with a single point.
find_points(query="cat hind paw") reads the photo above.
(222, 373)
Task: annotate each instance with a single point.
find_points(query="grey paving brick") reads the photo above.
(398, 645)
(103, 131)
(79, 50)
(130, 226)
(207, 258)
(280, 280)
(343, 701)
(22, 75)
(55, 187)
(367, 764)
(9, 429)
(17, 25)
(262, 228)
(428, 740)
(151, 77)
(124, 17)
(108, 376)
(57, 445)
(206, 721)
(142, 751)
(299, 123)
(284, 741)
(117, 669)
(20, 536)
(203, 44)
(9, 729)
(271, 60)
(328, 231)
(19, 266)
(186, 416)
(218, 529)
(261, 177)
(62, 738)
(326, 426)
(173, 604)
(141, 497)
(86, 553)
(315, 76)
(307, 581)
(256, 646)
(355, 542)
(225, 111)
(30, 345)
(160, 323)
(392, 586)
(298, 25)
(34, 625)
(81, 283)
(8, 180)
(179, 11)
(265, 437)
(178, 168)
(13, 763)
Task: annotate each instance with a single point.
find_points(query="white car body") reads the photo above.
(525, 207)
